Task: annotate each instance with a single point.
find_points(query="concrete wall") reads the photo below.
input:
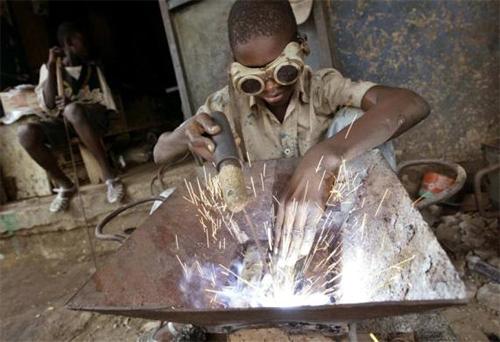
(447, 51)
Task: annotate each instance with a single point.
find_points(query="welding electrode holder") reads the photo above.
(228, 165)
(225, 147)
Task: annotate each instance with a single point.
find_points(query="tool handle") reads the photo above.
(59, 78)
(225, 147)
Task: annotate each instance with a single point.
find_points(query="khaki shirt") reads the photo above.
(317, 96)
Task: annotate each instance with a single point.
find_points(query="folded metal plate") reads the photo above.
(408, 270)
(231, 318)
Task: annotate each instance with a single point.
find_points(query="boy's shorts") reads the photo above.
(54, 130)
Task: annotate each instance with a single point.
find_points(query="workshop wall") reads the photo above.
(447, 51)
(203, 43)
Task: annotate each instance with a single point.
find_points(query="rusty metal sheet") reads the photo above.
(218, 320)
(142, 278)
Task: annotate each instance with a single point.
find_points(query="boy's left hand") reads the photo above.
(302, 204)
(61, 102)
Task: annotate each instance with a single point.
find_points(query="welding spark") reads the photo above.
(253, 187)
(182, 265)
(249, 160)
(268, 279)
(319, 164)
(350, 126)
(322, 178)
(381, 201)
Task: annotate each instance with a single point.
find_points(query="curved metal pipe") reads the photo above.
(477, 190)
(99, 234)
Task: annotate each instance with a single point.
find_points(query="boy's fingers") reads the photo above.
(313, 218)
(199, 141)
(208, 124)
(201, 151)
(56, 51)
(278, 227)
(201, 145)
(298, 231)
(193, 131)
(288, 224)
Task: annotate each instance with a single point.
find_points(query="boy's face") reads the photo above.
(259, 52)
(76, 45)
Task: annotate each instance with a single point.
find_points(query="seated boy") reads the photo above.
(279, 108)
(85, 106)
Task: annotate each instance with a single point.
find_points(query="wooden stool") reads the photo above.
(91, 165)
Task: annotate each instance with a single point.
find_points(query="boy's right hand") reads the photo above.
(198, 130)
(55, 52)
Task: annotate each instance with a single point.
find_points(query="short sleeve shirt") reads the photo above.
(259, 134)
(96, 92)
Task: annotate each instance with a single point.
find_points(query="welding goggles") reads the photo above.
(285, 70)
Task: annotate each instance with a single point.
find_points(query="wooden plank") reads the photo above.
(91, 165)
(176, 59)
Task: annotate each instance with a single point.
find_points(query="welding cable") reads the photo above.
(445, 194)
(159, 174)
(99, 234)
(60, 92)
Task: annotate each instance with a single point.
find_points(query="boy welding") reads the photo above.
(85, 105)
(279, 108)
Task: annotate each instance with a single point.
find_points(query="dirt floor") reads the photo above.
(40, 272)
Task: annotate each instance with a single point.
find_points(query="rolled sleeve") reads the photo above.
(341, 91)
(218, 101)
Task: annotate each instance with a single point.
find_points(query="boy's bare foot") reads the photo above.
(61, 201)
(115, 190)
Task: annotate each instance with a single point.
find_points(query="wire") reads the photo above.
(79, 194)
(60, 92)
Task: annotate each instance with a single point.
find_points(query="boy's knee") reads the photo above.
(29, 135)
(74, 113)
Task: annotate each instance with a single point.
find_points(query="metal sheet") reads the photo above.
(218, 320)
(142, 279)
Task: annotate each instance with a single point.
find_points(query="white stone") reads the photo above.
(489, 295)
(150, 326)
(449, 234)
(449, 220)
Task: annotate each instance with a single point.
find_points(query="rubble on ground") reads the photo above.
(469, 238)
(489, 295)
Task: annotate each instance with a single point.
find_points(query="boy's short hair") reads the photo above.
(255, 18)
(66, 30)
